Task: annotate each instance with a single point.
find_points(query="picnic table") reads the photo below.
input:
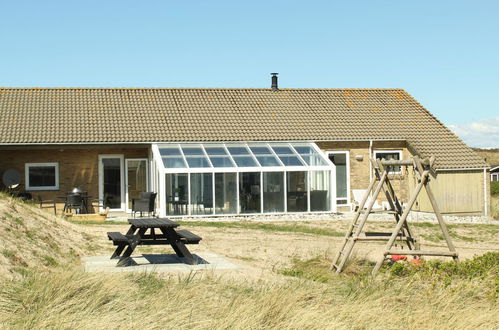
(152, 231)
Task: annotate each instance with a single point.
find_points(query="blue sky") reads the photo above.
(444, 53)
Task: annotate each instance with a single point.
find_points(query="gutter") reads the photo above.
(485, 194)
(210, 141)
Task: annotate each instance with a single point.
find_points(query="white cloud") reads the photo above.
(480, 134)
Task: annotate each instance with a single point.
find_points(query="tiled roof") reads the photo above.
(110, 115)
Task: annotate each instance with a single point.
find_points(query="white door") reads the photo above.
(112, 182)
(137, 179)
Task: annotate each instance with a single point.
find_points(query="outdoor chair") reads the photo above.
(46, 204)
(145, 203)
(207, 203)
(74, 202)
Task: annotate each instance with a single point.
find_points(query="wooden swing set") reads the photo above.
(401, 232)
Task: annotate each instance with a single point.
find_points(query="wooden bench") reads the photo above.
(187, 237)
(118, 238)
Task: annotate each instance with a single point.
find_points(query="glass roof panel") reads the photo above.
(238, 150)
(304, 149)
(197, 162)
(313, 160)
(268, 161)
(290, 160)
(215, 150)
(220, 161)
(239, 154)
(260, 150)
(245, 161)
(192, 150)
(169, 151)
(174, 162)
(282, 150)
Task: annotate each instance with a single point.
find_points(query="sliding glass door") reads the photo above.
(136, 179)
(111, 182)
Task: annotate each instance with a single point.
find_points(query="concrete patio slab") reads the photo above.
(158, 263)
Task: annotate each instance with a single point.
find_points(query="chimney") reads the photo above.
(274, 81)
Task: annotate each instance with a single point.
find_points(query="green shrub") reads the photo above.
(494, 188)
(477, 267)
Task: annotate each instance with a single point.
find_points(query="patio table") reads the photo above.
(143, 232)
(86, 201)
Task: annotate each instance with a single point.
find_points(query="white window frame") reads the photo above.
(27, 167)
(494, 177)
(160, 168)
(376, 151)
(347, 156)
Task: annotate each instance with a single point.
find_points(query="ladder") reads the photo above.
(401, 231)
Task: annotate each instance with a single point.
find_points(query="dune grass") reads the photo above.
(311, 297)
(287, 228)
(50, 289)
(254, 225)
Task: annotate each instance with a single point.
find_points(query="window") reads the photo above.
(42, 176)
(249, 192)
(273, 192)
(319, 191)
(297, 191)
(176, 193)
(390, 155)
(225, 193)
(201, 191)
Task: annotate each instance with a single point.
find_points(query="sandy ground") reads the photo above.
(261, 252)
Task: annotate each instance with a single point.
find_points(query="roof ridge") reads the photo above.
(198, 88)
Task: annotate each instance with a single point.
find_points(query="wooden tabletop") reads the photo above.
(153, 223)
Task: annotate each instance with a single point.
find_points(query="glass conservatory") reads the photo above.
(201, 179)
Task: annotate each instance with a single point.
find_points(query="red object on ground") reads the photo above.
(398, 257)
(417, 262)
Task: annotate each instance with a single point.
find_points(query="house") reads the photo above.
(494, 172)
(223, 151)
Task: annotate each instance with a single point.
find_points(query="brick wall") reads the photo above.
(359, 169)
(78, 167)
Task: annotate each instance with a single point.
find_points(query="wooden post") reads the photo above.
(400, 224)
(354, 221)
(365, 215)
(395, 205)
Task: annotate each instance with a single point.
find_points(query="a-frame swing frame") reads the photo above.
(402, 232)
